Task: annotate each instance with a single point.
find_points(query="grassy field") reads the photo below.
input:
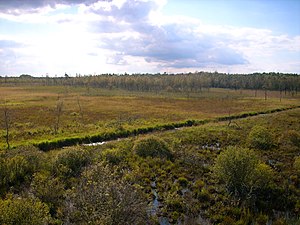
(88, 111)
(162, 178)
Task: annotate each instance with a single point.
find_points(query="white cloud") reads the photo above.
(134, 36)
(19, 7)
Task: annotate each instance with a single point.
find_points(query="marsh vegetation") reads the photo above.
(234, 160)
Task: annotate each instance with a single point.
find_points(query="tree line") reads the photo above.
(184, 82)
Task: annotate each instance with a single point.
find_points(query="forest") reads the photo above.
(197, 148)
(190, 82)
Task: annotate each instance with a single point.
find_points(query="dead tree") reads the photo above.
(58, 112)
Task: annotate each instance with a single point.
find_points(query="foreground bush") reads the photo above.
(260, 138)
(48, 189)
(102, 198)
(13, 171)
(152, 147)
(23, 211)
(241, 172)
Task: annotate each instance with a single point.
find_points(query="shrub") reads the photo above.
(241, 171)
(13, 171)
(103, 198)
(23, 211)
(291, 137)
(70, 162)
(262, 176)
(113, 156)
(297, 165)
(152, 147)
(260, 138)
(49, 189)
(235, 167)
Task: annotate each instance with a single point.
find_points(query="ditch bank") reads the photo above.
(110, 136)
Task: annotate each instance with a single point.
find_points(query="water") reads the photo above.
(95, 144)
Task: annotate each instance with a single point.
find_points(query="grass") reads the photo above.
(195, 150)
(185, 185)
(32, 109)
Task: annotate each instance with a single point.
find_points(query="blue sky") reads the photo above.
(277, 15)
(54, 37)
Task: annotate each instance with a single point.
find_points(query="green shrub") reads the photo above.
(113, 156)
(290, 137)
(70, 162)
(23, 211)
(263, 175)
(13, 171)
(241, 171)
(153, 147)
(49, 189)
(260, 138)
(297, 165)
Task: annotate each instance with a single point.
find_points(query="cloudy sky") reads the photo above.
(55, 37)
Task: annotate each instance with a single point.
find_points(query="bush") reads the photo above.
(23, 211)
(290, 137)
(152, 147)
(49, 189)
(297, 165)
(103, 198)
(241, 171)
(13, 171)
(262, 176)
(70, 162)
(260, 138)
(113, 156)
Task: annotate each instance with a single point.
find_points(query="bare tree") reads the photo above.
(230, 119)
(266, 95)
(58, 112)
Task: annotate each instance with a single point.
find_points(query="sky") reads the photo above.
(54, 37)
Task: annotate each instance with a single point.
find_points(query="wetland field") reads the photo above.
(219, 154)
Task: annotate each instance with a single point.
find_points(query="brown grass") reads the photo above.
(32, 109)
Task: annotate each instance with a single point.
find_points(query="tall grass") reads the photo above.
(108, 136)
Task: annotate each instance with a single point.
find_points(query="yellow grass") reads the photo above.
(32, 109)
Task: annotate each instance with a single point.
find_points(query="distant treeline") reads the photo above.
(190, 82)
